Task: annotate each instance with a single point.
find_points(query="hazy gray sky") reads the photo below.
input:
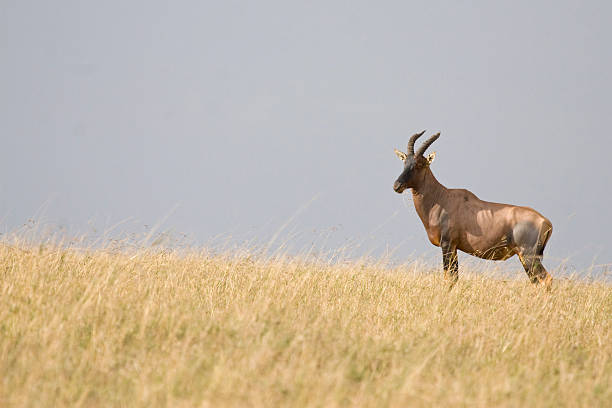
(240, 113)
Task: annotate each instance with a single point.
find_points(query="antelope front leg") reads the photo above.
(451, 263)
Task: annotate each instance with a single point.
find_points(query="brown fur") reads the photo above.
(455, 219)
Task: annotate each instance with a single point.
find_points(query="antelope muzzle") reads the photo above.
(398, 187)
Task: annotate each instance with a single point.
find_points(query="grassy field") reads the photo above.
(153, 328)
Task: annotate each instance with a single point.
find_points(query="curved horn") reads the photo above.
(427, 143)
(413, 139)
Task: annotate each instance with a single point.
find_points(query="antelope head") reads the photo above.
(414, 163)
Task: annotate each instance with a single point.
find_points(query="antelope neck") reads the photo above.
(428, 192)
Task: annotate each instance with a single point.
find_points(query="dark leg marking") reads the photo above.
(451, 263)
(531, 244)
(535, 270)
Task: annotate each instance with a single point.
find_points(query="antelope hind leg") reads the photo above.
(530, 243)
(535, 270)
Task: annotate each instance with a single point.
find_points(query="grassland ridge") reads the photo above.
(154, 327)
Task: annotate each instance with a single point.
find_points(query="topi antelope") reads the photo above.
(457, 219)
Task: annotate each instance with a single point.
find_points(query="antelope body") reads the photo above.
(455, 219)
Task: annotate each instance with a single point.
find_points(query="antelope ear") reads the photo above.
(401, 155)
(431, 157)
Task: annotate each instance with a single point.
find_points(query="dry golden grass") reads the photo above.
(144, 328)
